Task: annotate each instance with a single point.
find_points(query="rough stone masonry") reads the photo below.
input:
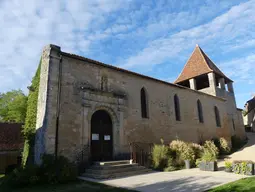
(73, 88)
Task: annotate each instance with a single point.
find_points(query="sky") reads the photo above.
(152, 37)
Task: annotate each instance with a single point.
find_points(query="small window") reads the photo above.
(144, 107)
(177, 108)
(200, 111)
(217, 116)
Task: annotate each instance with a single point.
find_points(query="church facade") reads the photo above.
(86, 104)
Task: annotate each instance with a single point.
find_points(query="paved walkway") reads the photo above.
(245, 153)
(177, 181)
(185, 180)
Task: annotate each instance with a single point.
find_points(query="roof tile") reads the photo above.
(198, 64)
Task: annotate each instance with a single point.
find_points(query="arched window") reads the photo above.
(233, 122)
(144, 107)
(200, 111)
(217, 116)
(177, 108)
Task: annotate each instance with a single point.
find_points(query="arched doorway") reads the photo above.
(101, 136)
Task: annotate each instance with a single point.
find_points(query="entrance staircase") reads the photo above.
(114, 169)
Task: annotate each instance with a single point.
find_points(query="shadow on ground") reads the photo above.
(178, 185)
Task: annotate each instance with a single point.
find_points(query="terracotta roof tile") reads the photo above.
(10, 136)
(198, 64)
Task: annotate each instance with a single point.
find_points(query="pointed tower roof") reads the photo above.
(198, 64)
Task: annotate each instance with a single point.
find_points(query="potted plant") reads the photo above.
(228, 166)
(188, 156)
(249, 167)
(237, 167)
(209, 162)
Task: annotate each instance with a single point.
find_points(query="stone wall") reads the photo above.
(78, 105)
(82, 95)
(47, 102)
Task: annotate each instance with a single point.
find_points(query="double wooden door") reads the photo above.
(101, 136)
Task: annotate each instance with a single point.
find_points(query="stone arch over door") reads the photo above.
(115, 126)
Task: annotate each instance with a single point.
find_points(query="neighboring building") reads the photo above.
(11, 144)
(249, 119)
(87, 105)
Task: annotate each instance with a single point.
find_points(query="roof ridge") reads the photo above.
(201, 52)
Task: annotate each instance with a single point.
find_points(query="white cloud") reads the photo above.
(242, 69)
(223, 29)
(27, 27)
(163, 31)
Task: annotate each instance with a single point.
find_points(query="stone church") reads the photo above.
(86, 104)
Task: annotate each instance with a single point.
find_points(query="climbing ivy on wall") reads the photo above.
(30, 121)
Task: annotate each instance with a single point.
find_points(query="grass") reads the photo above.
(76, 186)
(242, 185)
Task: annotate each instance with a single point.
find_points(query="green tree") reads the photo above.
(13, 106)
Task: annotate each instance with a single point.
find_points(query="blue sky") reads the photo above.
(152, 37)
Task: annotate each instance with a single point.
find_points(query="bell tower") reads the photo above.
(200, 73)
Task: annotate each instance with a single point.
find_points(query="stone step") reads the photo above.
(117, 175)
(112, 167)
(119, 169)
(110, 163)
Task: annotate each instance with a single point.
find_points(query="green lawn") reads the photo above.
(77, 186)
(243, 185)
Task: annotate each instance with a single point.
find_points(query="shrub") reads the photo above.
(228, 164)
(188, 153)
(224, 148)
(171, 168)
(160, 156)
(177, 145)
(210, 147)
(198, 150)
(57, 171)
(10, 168)
(198, 161)
(216, 142)
(51, 171)
(208, 156)
(22, 177)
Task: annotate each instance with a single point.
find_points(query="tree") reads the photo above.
(13, 106)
